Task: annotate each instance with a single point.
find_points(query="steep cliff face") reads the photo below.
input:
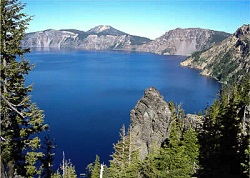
(225, 61)
(48, 38)
(183, 41)
(102, 37)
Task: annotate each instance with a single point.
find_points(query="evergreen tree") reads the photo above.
(191, 145)
(178, 157)
(246, 161)
(96, 168)
(209, 143)
(148, 167)
(21, 120)
(120, 156)
(67, 169)
(125, 158)
(89, 170)
(223, 143)
(56, 175)
(47, 160)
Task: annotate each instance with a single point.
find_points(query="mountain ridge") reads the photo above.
(184, 41)
(179, 41)
(97, 38)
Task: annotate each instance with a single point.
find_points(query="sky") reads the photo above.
(148, 18)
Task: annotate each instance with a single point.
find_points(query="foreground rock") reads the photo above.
(151, 118)
(195, 121)
(150, 122)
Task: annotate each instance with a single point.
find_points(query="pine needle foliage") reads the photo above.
(224, 142)
(178, 157)
(125, 160)
(96, 168)
(67, 170)
(21, 119)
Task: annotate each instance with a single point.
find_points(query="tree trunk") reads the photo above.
(11, 169)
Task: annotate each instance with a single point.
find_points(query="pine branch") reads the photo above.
(12, 106)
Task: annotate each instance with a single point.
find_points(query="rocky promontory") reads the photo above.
(228, 60)
(150, 122)
(152, 116)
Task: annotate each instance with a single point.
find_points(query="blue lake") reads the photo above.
(87, 95)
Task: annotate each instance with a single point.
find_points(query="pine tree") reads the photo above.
(96, 168)
(133, 156)
(47, 160)
(209, 143)
(223, 145)
(21, 120)
(89, 170)
(178, 157)
(149, 166)
(191, 144)
(245, 164)
(125, 158)
(67, 169)
(174, 160)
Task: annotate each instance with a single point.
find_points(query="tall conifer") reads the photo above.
(224, 142)
(178, 157)
(125, 158)
(21, 120)
(96, 168)
(47, 160)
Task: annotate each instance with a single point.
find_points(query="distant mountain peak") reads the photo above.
(105, 30)
(101, 28)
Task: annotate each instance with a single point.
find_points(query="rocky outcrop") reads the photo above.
(102, 37)
(151, 118)
(246, 121)
(183, 41)
(194, 121)
(150, 121)
(49, 38)
(228, 60)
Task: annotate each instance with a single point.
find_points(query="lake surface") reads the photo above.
(88, 95)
